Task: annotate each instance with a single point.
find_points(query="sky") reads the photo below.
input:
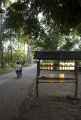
(13, 0)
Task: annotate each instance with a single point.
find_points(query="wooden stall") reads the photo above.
(57, 55)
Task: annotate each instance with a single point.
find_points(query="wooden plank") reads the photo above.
(57, 78)
(55, 82)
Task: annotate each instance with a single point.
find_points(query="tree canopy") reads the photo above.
(59, 18)
(65, 13)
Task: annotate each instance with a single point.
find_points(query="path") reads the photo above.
(13, 91)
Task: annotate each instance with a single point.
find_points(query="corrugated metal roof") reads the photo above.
(58, 55)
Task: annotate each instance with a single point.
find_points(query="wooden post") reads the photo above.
(76, 74)
(75, 68)
(38, 73)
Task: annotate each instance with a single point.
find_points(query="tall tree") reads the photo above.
(66, 15)
(1, 48)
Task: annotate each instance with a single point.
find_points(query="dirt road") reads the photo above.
(54, 102)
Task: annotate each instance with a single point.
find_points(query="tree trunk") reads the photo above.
(11, 47)
(1, 48)
(28, 55)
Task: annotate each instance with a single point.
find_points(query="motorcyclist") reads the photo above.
(18, 67)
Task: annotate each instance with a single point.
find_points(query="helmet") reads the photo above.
(17, 62)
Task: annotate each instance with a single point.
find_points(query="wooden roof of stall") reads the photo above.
(57, 55)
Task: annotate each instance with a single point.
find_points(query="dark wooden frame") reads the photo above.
(73, 80)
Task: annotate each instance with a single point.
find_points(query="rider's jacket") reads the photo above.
(18, 67)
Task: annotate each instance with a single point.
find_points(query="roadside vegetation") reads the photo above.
(9, 69)
(6, 70)
(25, 27)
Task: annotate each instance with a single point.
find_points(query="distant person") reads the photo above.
(18, 67)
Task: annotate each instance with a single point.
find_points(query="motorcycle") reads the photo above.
(18, 73)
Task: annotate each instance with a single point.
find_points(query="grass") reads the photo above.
(9, 69)
(6, 70)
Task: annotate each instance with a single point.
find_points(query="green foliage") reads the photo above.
(69, 44)
(6, 70)
(65, 13)
(18, 6)
(20, 15)
(15, 20)
(19, 54)
(59, 17)
(48, 38)
(78, 29)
